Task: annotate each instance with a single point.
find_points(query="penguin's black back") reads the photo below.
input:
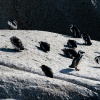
(97, 59)
(47, 71)
(17, 42)
(71, 51)
(77, 31)
(44, 46)
(86, 38)
(76, 60)
(89, 41)
(72, 43)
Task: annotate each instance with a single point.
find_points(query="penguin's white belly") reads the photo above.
(12, 26)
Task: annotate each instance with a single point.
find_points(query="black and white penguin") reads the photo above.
(86, 39)
(75, 31)
(17, 43)
(12, 24)
(47, 71)
(97, 59)
(69, 52)
(44, 46)
(76, 60)
(72, 44)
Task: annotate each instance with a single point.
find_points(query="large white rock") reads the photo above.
(21, 77)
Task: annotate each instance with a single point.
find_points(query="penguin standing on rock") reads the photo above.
(97, 59)
(69, 52)
(12, 24)
(76, 60)
(44, 46)
(72, 44)
(47, 71)
(86, 38)
(75, 31)
(17, 43)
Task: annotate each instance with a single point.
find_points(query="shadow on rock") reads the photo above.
(83, 44)
(65, 45)
(8, 50)
(95, 67)
(65, 71)
(97, 52)
(40, 49)
(80, 44)
(65, 56)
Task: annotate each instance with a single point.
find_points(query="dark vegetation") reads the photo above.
(52, 15)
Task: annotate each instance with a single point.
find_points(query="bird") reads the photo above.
(75, 31)
(12, 24)
(69, 52)
(47, 71)
(86, 38)
(97, 59)
(17, 43)
(44, 46)
(72, 44)
(76, 60)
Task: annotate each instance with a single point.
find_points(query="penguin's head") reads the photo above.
(13, 38)
(81, 52)
(84, 34)
(45, 68)
(39, 42)
(42, 66)
(64, 49)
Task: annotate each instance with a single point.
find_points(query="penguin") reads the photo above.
(72, 44)
(76, 60)
(75, 31)
(44, 46)
(86, 38)
(12, 24)
(69, 52)
(17, 43)
(47, 71)
(97, 59)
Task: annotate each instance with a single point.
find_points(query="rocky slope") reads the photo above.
(21, 77)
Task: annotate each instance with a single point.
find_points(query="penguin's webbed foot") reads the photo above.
(76, 69)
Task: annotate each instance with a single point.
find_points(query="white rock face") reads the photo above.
(21, 77)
